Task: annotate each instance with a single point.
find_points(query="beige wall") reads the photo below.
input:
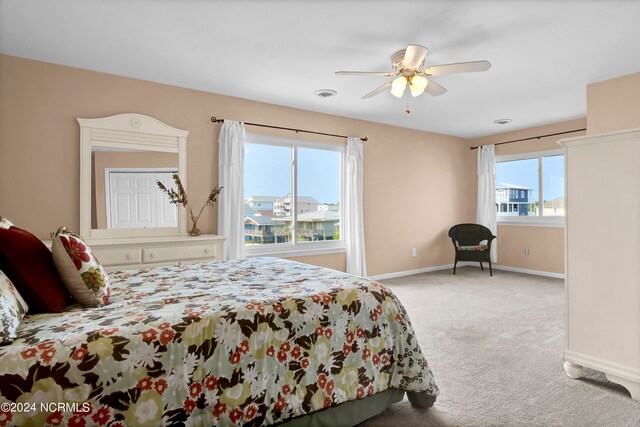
(100, 160)
(545, 244)
(417, 184)
(614, 104)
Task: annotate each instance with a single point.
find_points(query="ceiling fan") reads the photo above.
(407, 63)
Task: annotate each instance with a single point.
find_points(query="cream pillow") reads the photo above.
(79, 269)
(5, 223)
(12, 308)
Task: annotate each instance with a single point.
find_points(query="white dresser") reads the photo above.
(146, 252)
(602, 259)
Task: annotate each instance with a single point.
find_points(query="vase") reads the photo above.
(194, 230)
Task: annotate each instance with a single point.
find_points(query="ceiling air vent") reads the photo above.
(325, 93)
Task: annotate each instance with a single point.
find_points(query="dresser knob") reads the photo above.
(206, 251)
(129, 256)
(153, 254)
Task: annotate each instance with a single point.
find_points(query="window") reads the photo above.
(553, 182)
(292, 195)
(531, 188)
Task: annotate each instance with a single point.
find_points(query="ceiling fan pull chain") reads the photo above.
(408, 111)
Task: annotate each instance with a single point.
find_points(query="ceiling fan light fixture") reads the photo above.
(418, 85)
(398, 86)
(408, 65)
(415, 91)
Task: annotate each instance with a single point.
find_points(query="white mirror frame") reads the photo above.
(133, 132)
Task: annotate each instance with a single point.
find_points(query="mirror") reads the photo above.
(121, 159)
(124, 193)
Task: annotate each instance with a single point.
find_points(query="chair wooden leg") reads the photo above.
(454, 267)
(490, 269)
(481, 267)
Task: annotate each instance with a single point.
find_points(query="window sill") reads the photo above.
(553, 222)
(291, 252)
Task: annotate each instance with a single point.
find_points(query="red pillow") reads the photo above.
(29, 265)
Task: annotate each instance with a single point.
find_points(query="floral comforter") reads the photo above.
(253, 342)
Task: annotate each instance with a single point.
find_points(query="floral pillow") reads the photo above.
(79, 269)
(12, 308)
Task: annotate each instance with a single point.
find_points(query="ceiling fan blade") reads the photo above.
(364, 73)
(460, 67)
(434, 89)
(375, 92)
(414, 55)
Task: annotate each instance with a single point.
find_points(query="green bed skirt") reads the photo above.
(356, 411)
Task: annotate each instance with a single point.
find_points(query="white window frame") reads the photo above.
(532, 221)
(295, 248)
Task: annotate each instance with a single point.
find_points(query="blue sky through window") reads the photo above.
(268, 172)
(553, 177)
(319, 174)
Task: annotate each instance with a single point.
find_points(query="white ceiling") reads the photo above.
(544, 53)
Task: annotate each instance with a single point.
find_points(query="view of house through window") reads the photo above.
(530, 186)
(291, 202)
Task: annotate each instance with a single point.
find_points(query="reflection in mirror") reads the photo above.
(124, 193)
(121, 157)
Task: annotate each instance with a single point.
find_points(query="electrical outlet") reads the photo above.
(526, 251)
(414, 252)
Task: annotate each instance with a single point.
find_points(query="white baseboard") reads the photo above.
(419, 271)
(464, 264)
(410, 272)
(527, 271)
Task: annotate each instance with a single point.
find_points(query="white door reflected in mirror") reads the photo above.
(133, 199)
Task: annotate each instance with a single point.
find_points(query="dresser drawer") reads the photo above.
(109, 257)
(149, 252)
(177, 253)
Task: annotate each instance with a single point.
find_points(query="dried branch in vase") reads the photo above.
(180, 198)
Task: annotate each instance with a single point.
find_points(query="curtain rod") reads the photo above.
(527, 139)
(217, 120)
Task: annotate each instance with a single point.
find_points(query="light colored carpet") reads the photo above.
(495, 345)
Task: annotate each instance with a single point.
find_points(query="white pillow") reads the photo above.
(5, 223)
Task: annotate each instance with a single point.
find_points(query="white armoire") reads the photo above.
(602, 256)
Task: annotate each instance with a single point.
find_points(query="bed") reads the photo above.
(258, 341)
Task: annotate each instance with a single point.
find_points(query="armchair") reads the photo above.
(472, 242)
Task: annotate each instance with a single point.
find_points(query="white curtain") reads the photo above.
(231, 175)
(353, 228)
(486, 210)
